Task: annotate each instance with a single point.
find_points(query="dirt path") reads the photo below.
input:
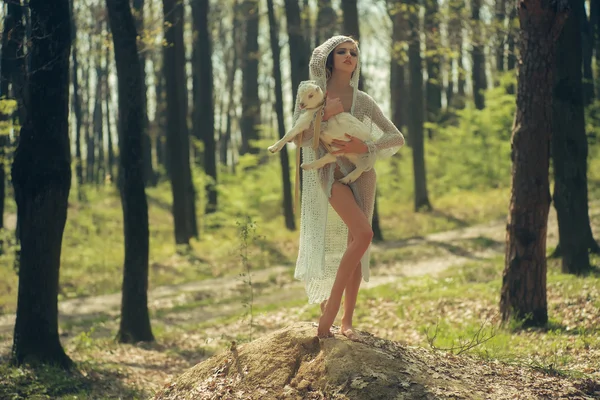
(276, 285)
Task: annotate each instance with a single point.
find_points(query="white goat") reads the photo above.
(311, 98)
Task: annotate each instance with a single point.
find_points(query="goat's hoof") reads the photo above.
(273, 149)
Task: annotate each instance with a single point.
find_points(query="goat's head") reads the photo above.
(310, 95)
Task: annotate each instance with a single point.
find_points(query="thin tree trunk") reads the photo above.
(135, 319)
(250, 100)
(41, 176)
(76, 105)
(595, 29)
(352, 28)
(397, 68)
(523, 294)
(298, 53)
(203, 113)
(587, 45)
(415, 128)
(184, 214)
(500, 36)
(569, 149)
(90, 160)
(111, 153)
(288, 212)
(149, 175)
(327, 22)
(433, 86)
(101, 76)
(478, 56)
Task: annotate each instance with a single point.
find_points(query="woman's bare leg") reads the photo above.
(350, 296)
(343, 202)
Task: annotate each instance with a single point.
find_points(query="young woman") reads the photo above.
(335, 219)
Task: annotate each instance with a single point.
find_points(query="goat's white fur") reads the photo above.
(311, 97)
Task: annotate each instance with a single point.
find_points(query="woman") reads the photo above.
(335, 219)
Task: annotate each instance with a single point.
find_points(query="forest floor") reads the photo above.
(196, 320)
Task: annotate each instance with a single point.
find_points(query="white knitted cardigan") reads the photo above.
(323, 235)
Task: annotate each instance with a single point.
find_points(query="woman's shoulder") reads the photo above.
(365, 99)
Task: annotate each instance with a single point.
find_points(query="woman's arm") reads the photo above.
(391, 139)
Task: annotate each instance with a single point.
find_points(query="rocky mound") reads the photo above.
(292, 363)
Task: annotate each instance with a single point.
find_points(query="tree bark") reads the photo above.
(111, 153)
(135, 319)
(478, 56)
(455, 39)
(150, 178)
(523, 294)
(500, 17)
(433, 85)
(327, 22)
(352, 28)
(41, 175)
(250, 100)
(288, 212)
(203, 113)
(178, 146)
(587, 46)
(397, 67)
(76, 104)
(570, 150)
(415, 128)
(299, 55)
(595, 28)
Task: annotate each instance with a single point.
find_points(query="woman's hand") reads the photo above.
(332, 107)
(354, 146)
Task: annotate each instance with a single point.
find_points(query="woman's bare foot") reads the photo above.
(349, 333)
(326, 321)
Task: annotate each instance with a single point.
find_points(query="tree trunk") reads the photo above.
(352, 28)
(76, 104)
(299, 55)
(415, 128)
(135, 319)
(203, 114)
(226, 138)
(111, 154)
(478, 55)
(433, 86)
(595, 29)
(90, 160)
(149, 175)
(250, 100)
(523, 294)
(587, 45)
(569, 149)
(41, 176)
(178, 146)
(455, 39)
(397, 67)
(288, 212)
(98, 139)
(500, 36)
(327, 22)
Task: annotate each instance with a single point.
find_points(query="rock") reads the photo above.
(292, 363)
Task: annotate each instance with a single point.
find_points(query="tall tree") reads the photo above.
(500, 17)
(11, 74)
(415, 122)
(150, 177)
(178, 145)
(523, 294)
(587, 45)
(351, 27)
(77, 109)
(455, 40)
(299, 54)
(397, 64)
(135, 319)
(41, 175)
(288, 212)
(570, 151)
(327, 22)
(250, 100)
(203, 113)
(433, 85)
(478, 57)
(595, 29)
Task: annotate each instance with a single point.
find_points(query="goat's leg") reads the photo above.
(321, 162)
(289, 136)
(352, 176)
